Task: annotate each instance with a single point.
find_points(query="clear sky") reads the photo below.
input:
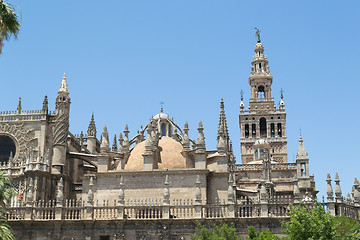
(122, 58)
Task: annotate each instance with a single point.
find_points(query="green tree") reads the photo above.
(221, 232)
(264, 235)
(6, 192)
(346, 228)
(9, 22)
(309, 222)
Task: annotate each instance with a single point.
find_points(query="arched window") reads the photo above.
(246, 130)
(272, 129)
(279, 130)
(163, 129)
(261, 92)
(7, 147)
(262, 123)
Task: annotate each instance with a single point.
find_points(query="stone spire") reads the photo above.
(329, 189)
(200, 143)
(45, 107)
(301, 154)
(121, 142)
(186, 140)
(19, 106)
(64, 86)
(114, 146)
(222, 127)
(91, 132)
(104, 147)
(338, 192)
(126, 143)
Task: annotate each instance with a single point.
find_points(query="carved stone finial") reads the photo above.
(19, 106)
(45, 107)
(104, 147)
(91, 132)
(114, 146)
(329, 189)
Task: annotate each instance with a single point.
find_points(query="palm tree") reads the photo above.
(9, 22)
(6, 192)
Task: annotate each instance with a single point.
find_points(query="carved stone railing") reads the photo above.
(274, 166)
(25, 115)
(153, 209)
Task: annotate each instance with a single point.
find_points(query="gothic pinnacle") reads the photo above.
(114, 146)
(301, 154)
(19, 106)
(64, 86)
(200, 143)
(45, 104)
(92, 127)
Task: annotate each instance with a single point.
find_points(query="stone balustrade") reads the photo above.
(154, 209)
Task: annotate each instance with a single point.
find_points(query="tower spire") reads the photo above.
(92, 127)
(222, 127)
(64, 86)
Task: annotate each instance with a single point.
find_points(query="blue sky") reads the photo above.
(122, 58)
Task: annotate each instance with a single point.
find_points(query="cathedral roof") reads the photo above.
(170, 156)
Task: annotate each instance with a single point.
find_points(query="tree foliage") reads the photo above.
(6, 192)
(309, 222)
(221, 232)
(264, 235)
(9, 22)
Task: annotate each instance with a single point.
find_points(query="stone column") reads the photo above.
(166, 201)
(198, 200)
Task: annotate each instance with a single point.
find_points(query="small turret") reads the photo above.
(104, 147)
(126, 143)
(200, 152)
(338, 192)
(302, 161)
(200, 143)
(91, 132)
(329, 189)
(186, 140)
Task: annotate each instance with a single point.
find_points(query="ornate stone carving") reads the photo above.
(22, 138)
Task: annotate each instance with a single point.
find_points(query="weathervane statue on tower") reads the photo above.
(257, 35)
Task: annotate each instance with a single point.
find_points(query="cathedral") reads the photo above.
(157, 183)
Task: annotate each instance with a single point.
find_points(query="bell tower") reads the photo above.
(263, 119)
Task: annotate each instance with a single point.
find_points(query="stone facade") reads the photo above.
(156, 186)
